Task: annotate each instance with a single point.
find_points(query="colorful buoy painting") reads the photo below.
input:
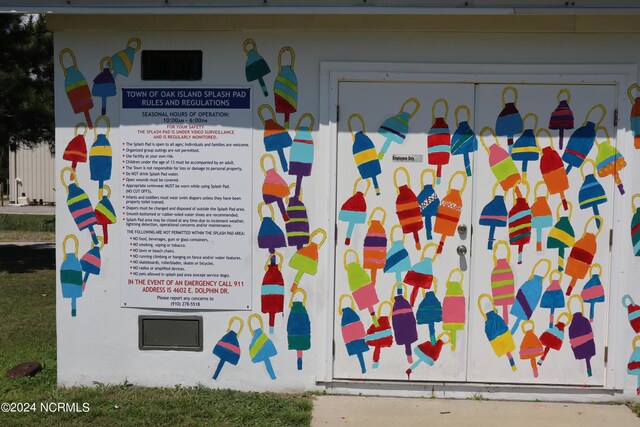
(562, 117)
(407, 207)
(75, 85)
(450, 211)
(439, 139)
(255, 67)
(509, 121)
(502, 165)
(395, 128)
(364, 154)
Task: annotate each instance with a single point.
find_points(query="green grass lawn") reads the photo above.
(27, 228)
(28, 332)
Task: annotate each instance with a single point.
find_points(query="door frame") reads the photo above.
(332, 73)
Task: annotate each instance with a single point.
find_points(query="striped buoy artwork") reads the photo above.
(562, 236)
(582, 253)
(285, 86)
(531, 347)
(553, 337)
(591, 193)
(301, 153)
(403, 320)
(633, 312)
(380, 336)
(562, 117)
(529, 295)
(635, 225)
(494, 215)
(255, 67)
(464, 140)
(450, 211)
(520, 220)
(497, 331)
(526, 149)
(362, 288)
(502, 280)
(398, 260)
(509, 121)
(552, 169)
(502, 165)
(430, 310)
(76, 87)
(272, 289)
(79, 205)
(609, 161)
(104, 85)
(395, 128)
(428, 200)
(274, 188)
(407, 207)
(353, 333)
(298, 326)
(420, 276)
(581, 335)
(454, 306)
(593, 291)
(105, 212)
(297, 226)
(635, 114)
(428, 352)
(305, 260)
(101, 156)
(633, 367)
(122, 61)
(439, 139)
(91, 262)
(374, 252)
(270, 235)
(541, 216)
(76, 149)
(276, 138)
(553, 296)
(354, 210)
(71, 273)
(582, 140)
(228, 347)
(364, 154)
(261, 348)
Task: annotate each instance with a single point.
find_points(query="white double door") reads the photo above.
(473, 359)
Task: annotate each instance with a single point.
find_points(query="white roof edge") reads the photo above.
(313, 10)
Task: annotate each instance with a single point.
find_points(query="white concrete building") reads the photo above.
(180, 156)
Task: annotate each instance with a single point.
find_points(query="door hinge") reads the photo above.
(610, 239)
(337, 113)
(606, 355)
(615, 117)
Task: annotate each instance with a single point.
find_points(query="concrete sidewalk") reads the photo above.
(390, 411)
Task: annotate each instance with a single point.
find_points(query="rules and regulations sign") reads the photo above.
(187, 183)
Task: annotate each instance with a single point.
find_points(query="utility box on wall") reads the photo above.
(386, 208)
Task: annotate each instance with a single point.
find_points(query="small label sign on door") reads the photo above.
(407, 158)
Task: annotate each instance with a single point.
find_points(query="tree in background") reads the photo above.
(26, 84)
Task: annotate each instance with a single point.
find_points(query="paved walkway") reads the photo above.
(390, 411)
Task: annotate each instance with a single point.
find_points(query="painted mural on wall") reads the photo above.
(566, 286)
(390, 298)
(75, 271)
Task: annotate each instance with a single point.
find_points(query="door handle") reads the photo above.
(462, 250)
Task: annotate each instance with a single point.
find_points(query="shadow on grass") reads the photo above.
(28, 258)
